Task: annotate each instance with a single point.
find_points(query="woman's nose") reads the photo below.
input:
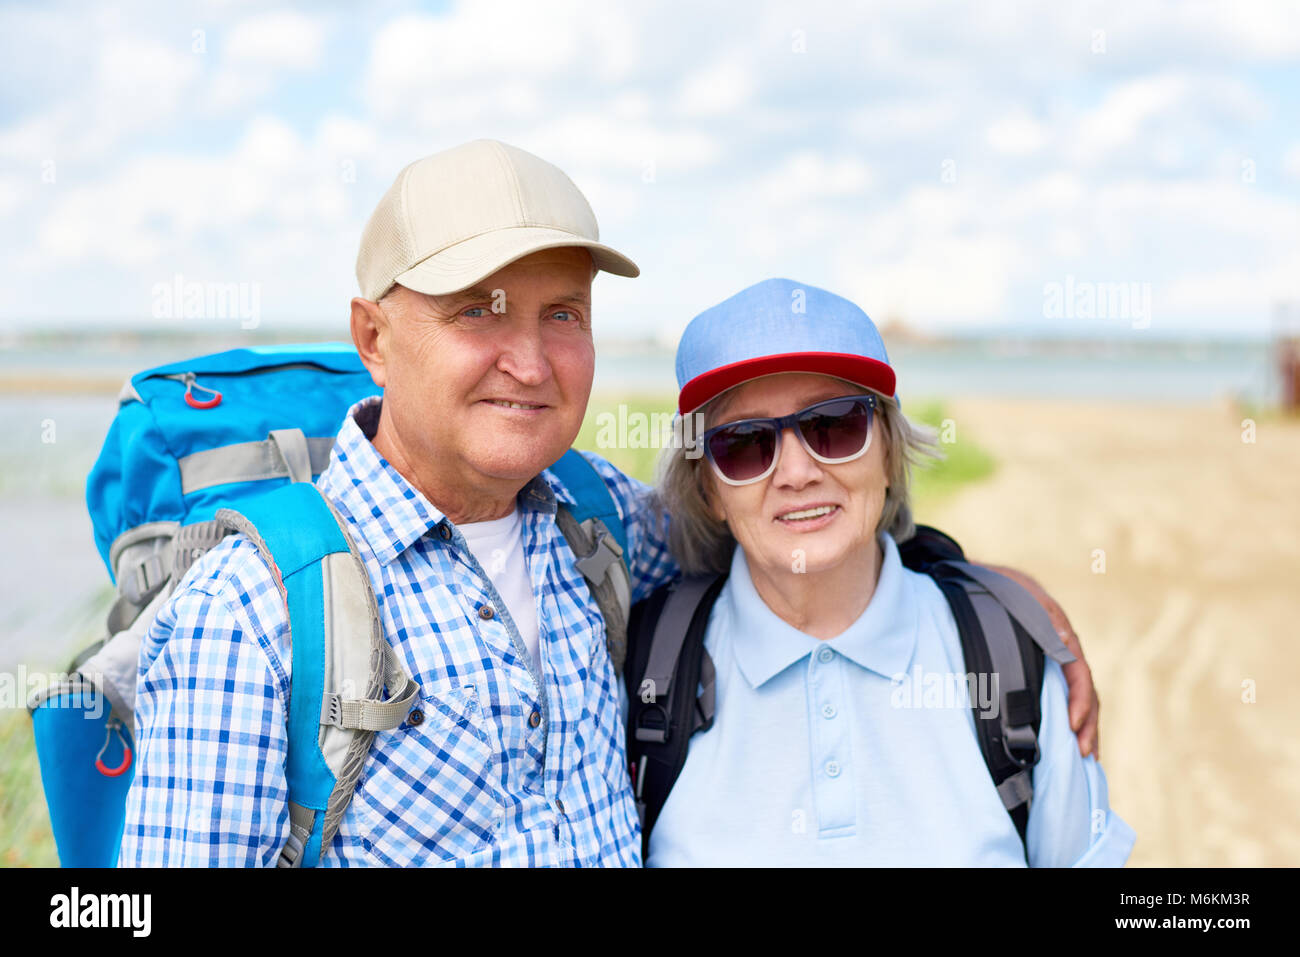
(795, 468)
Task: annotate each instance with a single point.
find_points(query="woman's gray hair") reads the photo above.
(703, 545)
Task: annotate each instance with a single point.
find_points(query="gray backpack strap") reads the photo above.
(286, 453)
(1021, 606)
(999, 603)
(666, 643)
(706, 703)
(600, 559)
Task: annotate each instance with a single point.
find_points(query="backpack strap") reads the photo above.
(670, 684)
(1005, 635)
(596, 534)
(338, 644)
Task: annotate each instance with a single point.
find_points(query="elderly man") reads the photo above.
(476, 321)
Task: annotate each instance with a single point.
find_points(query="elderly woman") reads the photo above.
(822, 748)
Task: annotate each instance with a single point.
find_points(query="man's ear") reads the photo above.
(371, 334)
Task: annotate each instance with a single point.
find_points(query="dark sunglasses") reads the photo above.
(837, 430)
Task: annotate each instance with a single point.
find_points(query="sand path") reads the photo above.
(1198, 605)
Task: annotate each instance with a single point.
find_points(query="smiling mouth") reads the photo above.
(506, 404)
(796, 516)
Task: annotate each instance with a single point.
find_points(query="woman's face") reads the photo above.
(758, 514)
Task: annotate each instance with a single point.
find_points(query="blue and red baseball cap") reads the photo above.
(779, 325)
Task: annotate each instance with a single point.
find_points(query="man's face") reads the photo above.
(491, 382)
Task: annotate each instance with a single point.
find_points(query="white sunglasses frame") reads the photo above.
(790, 421)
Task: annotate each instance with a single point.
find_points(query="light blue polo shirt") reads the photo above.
(861, 750)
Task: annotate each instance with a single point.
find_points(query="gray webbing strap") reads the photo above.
(601, 564)
(1016, 790)
(1008, 669)
(277, 457)
(374, 715)
(293, 449)
(1020, 605)
(301, 822)
(670, 633)
(706, 703)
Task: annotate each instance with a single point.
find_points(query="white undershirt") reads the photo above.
(499, 547)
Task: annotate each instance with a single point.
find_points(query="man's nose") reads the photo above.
(795, 468)
(523, 353)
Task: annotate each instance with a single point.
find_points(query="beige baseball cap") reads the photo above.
(456, 217)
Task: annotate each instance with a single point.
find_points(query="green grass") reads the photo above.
(25, 837)
(964, 461)
(601, 431)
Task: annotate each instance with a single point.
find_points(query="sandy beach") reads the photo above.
(1194, 614)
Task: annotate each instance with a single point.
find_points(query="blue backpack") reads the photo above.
(227, 443)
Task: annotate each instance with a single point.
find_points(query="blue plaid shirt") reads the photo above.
(480, 780)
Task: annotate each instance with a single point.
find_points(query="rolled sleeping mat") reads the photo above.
(87, 760)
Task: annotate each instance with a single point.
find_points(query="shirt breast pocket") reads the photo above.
(429, 794)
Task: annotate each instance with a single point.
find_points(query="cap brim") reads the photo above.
(478, 257)
(861, 370)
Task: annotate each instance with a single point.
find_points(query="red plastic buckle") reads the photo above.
(121, 769)
(194, 403)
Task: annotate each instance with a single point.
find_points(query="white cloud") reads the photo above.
(719, 88)
(280, 40)
(1291, 162)
(1017, 134)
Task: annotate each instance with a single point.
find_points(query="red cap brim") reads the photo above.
(871, 373)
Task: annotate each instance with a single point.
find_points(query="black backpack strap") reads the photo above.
(666, 665)
(1005, 635)
(927, 546)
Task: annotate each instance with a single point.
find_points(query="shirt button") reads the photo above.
(825, 654)
(828, 711)
(832, 769)
(534, 719)
(444, 532)
(415, 717)
(559, 805)
(485, 612)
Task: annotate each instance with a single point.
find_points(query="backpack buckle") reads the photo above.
(652, 734)
(595, 564)
(1020, 740)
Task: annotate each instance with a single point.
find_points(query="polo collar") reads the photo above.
(882, 639)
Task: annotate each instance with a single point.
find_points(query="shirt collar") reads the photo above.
(389, 512)
(881, 640)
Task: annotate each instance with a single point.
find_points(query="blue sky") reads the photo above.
(940, 164)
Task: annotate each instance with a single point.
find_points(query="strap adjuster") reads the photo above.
(604, 553)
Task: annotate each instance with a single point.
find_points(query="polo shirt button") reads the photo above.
(444, 532)
(559, 805)
(535, 718)
(832, 769)
(485, 612)
(828, 711)
(825, 654)
(416, 717)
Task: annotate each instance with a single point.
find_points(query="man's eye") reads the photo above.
(565, 315)
(474, 312)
